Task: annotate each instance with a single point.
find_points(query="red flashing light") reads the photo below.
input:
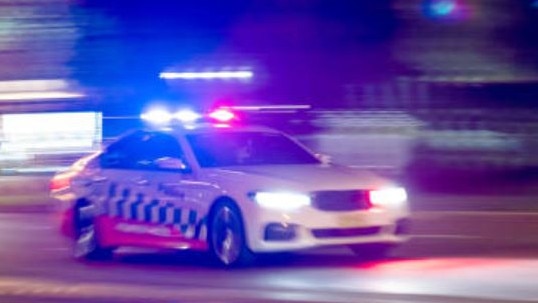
(222, 115)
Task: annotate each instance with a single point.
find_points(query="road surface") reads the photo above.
(36, 266)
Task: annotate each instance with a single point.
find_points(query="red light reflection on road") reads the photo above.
(420, 266)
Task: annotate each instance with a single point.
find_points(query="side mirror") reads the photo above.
(325, 159)
(168, 163)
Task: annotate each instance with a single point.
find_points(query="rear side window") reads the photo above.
(141, 150)
(119, 154)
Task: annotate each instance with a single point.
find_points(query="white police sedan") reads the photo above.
(232, 190)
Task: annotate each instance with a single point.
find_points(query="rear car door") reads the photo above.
(146, 201)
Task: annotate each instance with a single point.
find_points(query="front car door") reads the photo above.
(120, 185)
(178, 200)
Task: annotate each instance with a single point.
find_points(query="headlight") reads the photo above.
(281, 201)
(390, 197)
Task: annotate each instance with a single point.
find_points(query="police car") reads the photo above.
(231, 190)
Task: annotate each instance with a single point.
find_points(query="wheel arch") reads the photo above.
(76, 219)
(245, 255)
(223, 200)
(227, 200)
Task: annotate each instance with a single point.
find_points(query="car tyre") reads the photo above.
(227, 241)
(86, 243)
(369, 252)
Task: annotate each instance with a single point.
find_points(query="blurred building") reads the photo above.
(459, 72)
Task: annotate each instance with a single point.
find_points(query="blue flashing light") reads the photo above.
(187, 116)
(163, 117)
(157, 116)
(441, 8)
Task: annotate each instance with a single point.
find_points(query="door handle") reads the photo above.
(172, 189)
(98, 179)
(141, 182)
(85, 182)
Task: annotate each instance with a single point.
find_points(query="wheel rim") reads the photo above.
(86, 241)
(226, 235)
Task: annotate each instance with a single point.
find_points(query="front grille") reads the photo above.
(345, 232)
(345, 200)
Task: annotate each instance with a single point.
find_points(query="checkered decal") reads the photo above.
(138, 207)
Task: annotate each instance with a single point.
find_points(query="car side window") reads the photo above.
(155, 146)
(141, 150)
(119, 155)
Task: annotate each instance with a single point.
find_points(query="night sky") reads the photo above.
(321, 52)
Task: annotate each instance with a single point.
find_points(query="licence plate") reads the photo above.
(350, 220)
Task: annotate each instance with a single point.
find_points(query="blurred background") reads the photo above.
(439, 93)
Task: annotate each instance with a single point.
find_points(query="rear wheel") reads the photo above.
(227, 241)
(376, 251)
(86, 245)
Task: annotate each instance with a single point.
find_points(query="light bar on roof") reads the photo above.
(207, 75)
(222, 115)
(187, 116)
(159, 116)
(163, 116)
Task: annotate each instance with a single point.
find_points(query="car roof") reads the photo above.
(213, 128)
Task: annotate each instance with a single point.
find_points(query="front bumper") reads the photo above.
(273, 231)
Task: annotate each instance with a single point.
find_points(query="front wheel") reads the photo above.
(227, 241)
(86, 245)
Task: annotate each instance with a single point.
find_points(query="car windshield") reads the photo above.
(247, 148)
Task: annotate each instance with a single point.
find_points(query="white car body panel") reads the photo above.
(201, 187)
